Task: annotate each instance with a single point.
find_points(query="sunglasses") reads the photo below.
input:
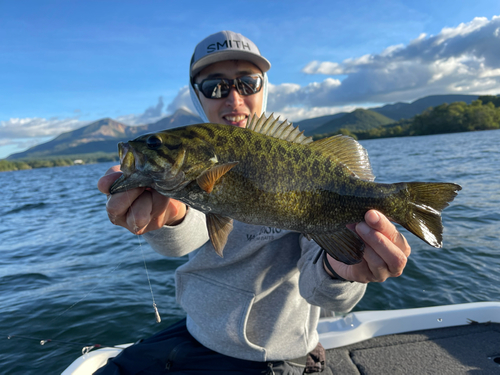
(218, 88)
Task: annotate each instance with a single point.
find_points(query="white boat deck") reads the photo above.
(458, 339)
(455, 339)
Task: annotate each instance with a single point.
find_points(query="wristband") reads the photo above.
(327, 264)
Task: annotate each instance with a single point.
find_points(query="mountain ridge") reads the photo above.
(359, 119)
(395, 111)
(104, 134)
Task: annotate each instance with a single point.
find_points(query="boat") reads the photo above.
(450, 339)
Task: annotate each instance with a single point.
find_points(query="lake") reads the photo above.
(68, 274)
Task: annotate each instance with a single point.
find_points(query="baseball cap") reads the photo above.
(226, 45)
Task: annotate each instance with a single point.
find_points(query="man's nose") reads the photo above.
(234, 97)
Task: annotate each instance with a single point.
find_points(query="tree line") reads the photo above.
(17, 165)
(481, 114)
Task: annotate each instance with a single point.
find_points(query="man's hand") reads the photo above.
(139, 210)
(386, 251)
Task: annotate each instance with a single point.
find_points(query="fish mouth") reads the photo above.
(136, 173)
(132, 176)
(127, 182)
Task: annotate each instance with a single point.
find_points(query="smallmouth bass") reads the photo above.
(270, 174)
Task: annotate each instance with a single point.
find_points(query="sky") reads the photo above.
(65, 64)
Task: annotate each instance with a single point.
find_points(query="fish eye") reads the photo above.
(153, 142)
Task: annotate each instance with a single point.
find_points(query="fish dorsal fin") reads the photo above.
(347, 151)
(208, 178)
(278, 129)
(219, 228)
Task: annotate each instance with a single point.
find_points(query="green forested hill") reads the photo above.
(400, 111)
(481, 114)
(358, 120)
(397, 111)
(97, 142)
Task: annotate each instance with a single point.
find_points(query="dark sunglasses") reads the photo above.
(218, 88)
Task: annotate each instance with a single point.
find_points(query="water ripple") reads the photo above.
(67, 273)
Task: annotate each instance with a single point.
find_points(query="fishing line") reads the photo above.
(86, 348)
(157, 313)
(83, 298)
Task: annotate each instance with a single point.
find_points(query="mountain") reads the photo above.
(359, 119)
(400, 111)
(309, 125)
(396, 111)
(102, 136)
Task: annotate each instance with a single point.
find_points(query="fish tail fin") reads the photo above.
(422, 216)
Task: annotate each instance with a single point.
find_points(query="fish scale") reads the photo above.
(271, 174)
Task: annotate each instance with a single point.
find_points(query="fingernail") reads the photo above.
(372, 217)
(363, 228)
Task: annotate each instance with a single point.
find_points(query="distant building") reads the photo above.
(78, 161)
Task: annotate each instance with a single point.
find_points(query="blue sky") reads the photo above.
(64, 64)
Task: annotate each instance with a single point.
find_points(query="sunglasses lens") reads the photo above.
(249, 85)
(214, 88)
(219, 88)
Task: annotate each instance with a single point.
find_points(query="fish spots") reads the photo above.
(307, 152)
(257, 145)
(328, 164)
(281, 150)
(263, 162)
(220, 141)
(303, 169)
(297, 158)
(210, 132)
(238, 140)
(190, 134)
(315, 168)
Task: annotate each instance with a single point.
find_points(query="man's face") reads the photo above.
(235, 108)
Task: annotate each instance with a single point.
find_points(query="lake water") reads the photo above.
(67, 274)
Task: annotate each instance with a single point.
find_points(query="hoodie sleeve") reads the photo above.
(320, 289)
(179, 240)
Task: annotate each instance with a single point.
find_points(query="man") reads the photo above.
(257, 308)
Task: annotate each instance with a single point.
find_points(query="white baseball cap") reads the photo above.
(226, 45)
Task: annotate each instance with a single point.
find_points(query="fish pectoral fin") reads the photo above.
(208, 178)
(219, 228)
(343, 245)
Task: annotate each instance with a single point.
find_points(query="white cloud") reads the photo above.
(182, 100)
(463, 59)
(296, 114)
(18, 134)
(37, 127)
(389, 51)
(150, 115)
(461, 30)
(326, 67)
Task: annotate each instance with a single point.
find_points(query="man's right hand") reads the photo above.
(140, 210)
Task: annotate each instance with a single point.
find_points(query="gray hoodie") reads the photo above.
(261, 302)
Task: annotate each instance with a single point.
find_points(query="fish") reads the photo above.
(271, 174)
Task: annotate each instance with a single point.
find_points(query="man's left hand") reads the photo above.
(386, 251)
